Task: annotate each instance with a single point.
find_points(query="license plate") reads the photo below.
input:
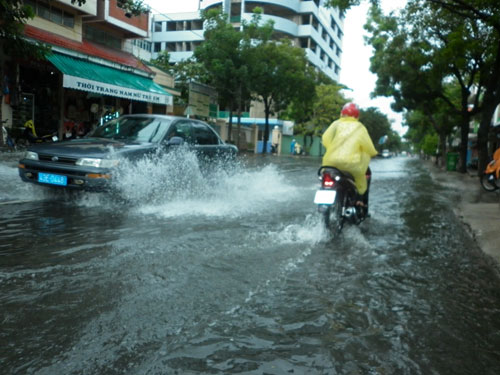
(53, 179)
(325, 196)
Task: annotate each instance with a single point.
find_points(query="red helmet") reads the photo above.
(351, 110)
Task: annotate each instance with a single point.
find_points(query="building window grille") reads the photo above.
(143, 44)
(197, 25)
(51, 13)
(171, 47)
(333, 24)
(101, 37)
(171, 26)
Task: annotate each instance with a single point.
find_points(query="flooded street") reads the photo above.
(232, 273)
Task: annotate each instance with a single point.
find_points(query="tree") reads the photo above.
(378, 125)
(278, 74)
(418, 55)
(224, 55)
(473, 42)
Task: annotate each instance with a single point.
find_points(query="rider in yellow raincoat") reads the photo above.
(349, 146)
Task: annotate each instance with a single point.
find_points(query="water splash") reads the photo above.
(178, 184)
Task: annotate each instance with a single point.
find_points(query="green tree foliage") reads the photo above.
(279, 74)
(377, 124)
(225, 54)
(454, 39)
(430, 144)
(162, 61)
(13, 16)
(419, 53)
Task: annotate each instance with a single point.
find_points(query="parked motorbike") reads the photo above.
(30, 135)
(336, 199)
(490, 179)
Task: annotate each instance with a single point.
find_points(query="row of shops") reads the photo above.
(70, 96)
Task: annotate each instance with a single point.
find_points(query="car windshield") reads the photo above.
(141, 129)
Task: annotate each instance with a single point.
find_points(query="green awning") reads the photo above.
(84, 75)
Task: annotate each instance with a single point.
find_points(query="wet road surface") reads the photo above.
(233, 274)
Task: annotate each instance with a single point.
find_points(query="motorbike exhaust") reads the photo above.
(349, 212)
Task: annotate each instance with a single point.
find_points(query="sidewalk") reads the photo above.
(478, 209)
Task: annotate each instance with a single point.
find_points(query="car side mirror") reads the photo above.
(175, 141)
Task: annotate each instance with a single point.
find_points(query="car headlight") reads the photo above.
(31, 155)
(97, 163)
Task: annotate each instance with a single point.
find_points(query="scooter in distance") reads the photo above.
(490, 179)
(336, 199)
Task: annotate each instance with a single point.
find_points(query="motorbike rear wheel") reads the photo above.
(333, 218)
(489, 182)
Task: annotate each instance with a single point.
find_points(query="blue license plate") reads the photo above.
(52, 179)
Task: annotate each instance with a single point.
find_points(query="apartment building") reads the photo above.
(89, 75)
(306, 22)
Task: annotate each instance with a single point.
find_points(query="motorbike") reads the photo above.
(490, 179)
(30, 136)
(336, 199)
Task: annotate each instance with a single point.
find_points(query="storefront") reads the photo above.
(94, 93)
(70, 96)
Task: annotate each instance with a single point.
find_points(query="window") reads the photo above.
(43, 11)
(181, 129)
(157, 47)
(47, 11)
(171, 26)
(171, 47)
(68, 20)
(158, 26)
(333, 24)
(56, 16)
(204, 135)
(101, 37)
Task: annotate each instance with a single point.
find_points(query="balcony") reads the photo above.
(110, 15)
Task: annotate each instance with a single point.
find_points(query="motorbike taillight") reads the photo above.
(327, 181)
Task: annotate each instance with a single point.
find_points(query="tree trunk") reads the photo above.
(464, 140)
(239, 119)
(230, 128)
(442, 144)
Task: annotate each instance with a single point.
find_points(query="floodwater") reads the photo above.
(232, 273)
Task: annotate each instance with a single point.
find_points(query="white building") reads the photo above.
(310, 25)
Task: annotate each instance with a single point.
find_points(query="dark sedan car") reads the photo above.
(88, 163)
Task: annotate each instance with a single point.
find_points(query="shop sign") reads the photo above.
(97, 87)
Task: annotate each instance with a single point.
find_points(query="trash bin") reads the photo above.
(451, 161)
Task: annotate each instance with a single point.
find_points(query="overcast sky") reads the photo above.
(355, 63)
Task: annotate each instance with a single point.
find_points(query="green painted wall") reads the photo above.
(316, 149)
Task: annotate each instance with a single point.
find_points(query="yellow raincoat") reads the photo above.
(349, 148)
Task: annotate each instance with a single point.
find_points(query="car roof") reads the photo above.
(153, 115)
